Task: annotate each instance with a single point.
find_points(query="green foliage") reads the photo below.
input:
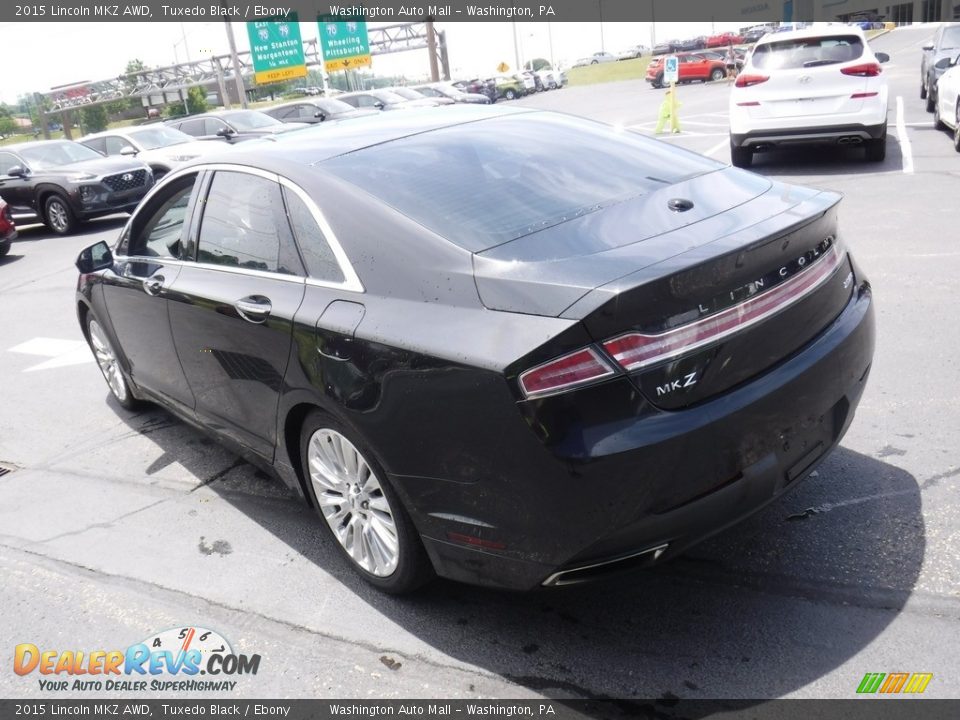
(538, 64)
(94, 118)
(8, 126)
(197, 100)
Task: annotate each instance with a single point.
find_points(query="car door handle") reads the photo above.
(153, 285)
(254, 308)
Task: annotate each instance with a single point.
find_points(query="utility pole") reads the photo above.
(432, 50)
(516, 46)
(237, 76)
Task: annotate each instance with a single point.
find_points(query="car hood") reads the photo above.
(547, 272)
(96, 166)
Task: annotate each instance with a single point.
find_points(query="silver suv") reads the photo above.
(936, 56)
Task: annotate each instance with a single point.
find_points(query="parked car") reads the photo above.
(597, 57)
(695, 43)
(316, 110)
(411, 94)
(683, 368)
(816, 85)
(722, 40)
(8, 230)
(665, 48)
(383, 100)
(550, 79)
(633, 52)
(946, 112)
(477, 86)
(754, 34)
(509, 87)
(690, 66)
(528, 81)
(447, 90)
(61, 183)
(159, 146)
(233, 126)
(944, 46)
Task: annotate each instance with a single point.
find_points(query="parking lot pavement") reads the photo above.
(116, 525)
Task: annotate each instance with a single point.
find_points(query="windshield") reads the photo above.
(407, 93)
(388, 96)
(951, 38)
(54, 154)
(806, 52)
(250, 120)
(485, 183)
(334, 106)
(158, 137)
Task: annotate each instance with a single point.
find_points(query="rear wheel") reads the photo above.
(658, 81)
(109, 364)
(362, 512)
(877, 149)
(509, 94)
(931, 97)
(938, 123)
(741, 157)
(717, 74)
(58, 216)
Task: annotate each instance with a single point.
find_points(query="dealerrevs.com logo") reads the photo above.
(170, 661)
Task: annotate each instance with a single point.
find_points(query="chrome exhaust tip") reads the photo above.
(850, 140)
(594, 571)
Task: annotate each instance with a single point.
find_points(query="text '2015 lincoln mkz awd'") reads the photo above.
(511, 348)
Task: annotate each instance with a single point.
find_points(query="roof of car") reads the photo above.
(315, 144)
(812, 31)
(125, 130)
(32, 144)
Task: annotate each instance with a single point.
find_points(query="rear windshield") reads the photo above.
(485, 183)
(807, 52)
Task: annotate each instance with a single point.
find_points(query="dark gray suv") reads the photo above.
(936, 58)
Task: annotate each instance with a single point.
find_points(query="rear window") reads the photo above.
(485, 183)
(807, 52)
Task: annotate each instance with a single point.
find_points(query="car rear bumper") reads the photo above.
(829, 134)
(628, 492)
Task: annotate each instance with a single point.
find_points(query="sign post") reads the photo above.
(343, 43)
(276, 50)
(671, 74)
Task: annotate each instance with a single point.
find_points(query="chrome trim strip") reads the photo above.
(557, 578)
(351, 281)
(211, 266)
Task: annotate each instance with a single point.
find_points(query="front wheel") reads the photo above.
(717, 74)
(58, 216)
(109, 364)
(362, 512)
(510, 94)
(931, 98)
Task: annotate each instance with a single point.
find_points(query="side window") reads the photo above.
(366, 101)
(98, 144)
(7, 161)
(316, 251)
(115, 144)
(192, 127)
(211, 126)
(158, 229)
(308, 112)
(353, 100)
(244, 225)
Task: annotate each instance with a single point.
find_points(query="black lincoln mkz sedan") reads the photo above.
(509, 347)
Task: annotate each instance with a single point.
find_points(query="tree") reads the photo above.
(538, 64)
(197, 100)
(94, 118)
(8, 126)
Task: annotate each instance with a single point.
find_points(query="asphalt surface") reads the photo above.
(115, 525)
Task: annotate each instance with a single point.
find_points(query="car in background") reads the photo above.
(946, 112)
(694, 43)
(551, 79)
(936, 56)
(754, 34)
(233, 126)
(528, 80)
(691, 67)
(8, 230)
(509, 87)
(162, 148)
(449, 91)
(408, 93)
(722, 40)
(383, 100)
(477, 86)
(665, 48)
(596, 58)
(479, 342)
(817, 85)
(316, 110)
(633, 52)
(61, 183)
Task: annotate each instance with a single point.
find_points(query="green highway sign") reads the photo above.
(276, 50)
(344, 43)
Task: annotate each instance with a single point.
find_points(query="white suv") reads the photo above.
(947, 101)
(816, 85)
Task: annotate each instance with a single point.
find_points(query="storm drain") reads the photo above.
(7, 468)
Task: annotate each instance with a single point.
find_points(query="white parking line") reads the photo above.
(718, 146)
(905, 148)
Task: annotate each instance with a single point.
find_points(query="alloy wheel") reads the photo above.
(107, 360)
(353, 503)
(57, 215)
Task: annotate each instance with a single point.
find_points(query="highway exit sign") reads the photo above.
(276, 50)
(344, 43)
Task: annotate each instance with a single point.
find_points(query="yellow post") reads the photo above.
(674, 107)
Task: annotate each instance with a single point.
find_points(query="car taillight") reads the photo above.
(863, 70)
(637, 350)
(860, 96)
(747, 80)
(752, 103)
(565, 373)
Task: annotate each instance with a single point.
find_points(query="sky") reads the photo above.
(66, 53)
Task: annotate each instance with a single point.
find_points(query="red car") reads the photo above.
(692, 66)
(724, 39)
(8, 231)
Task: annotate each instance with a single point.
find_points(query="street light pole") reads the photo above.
(237, 76)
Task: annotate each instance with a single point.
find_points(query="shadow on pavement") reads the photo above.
(827, 160)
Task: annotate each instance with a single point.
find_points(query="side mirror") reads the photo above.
(379, 105)
(927, 48)
(882, 57)
(224, 132)
(17, 171)
(128, 150)
(321, 115)
(96, 257)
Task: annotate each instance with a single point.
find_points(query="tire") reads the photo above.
(358, 507)
(717, 74)
(931, 98)
(510, 94)
(923, 90)
(109, 364)
(4, 248)
(658, 81)
(594, 62)
(877, 149)
(740, 157)
(58, 216)
(938, 123)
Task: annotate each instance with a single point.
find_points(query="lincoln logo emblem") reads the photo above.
(127, 177)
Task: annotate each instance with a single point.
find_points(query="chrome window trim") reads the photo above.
(156, 260)
(351, 281)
